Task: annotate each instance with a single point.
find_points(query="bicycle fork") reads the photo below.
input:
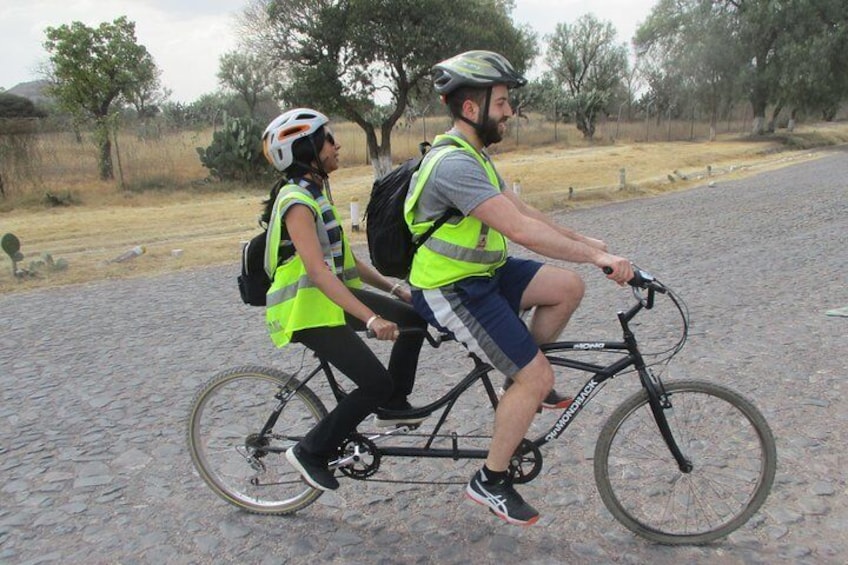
(660, 402)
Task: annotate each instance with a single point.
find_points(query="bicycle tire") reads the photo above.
(724, 436)
(226, 416)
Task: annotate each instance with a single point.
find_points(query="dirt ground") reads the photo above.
(184, 230)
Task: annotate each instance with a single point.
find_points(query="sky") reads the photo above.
(187, 37)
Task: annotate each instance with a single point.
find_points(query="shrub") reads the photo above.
(13, 106)
(236, 151)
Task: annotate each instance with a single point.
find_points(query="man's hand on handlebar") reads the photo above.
(617, 269)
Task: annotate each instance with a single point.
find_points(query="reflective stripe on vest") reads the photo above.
(276, 296)
(459, 248)
(462, 253)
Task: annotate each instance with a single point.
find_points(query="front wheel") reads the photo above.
(240, 425)
(721, 433)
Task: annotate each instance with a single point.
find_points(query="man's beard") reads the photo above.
(490, 132)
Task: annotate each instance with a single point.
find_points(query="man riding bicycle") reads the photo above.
(463, 280)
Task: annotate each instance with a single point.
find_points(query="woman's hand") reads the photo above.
(383, 329)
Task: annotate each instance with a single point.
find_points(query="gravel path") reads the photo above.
(96, 381)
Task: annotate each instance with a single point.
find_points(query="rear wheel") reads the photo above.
(721, 433)
(241, 464)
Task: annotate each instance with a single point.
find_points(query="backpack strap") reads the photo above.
(443, 141)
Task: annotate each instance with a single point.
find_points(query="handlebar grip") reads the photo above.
(641, 279)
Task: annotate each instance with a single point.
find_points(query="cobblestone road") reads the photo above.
(96, 381)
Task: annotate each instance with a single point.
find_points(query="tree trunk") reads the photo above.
(382, 164)
(380, 155)
(772, 125)
(759, 101)
(104, 143)
(713, 122)
(585, 125)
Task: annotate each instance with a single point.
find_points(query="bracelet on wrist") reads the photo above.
(371, 321)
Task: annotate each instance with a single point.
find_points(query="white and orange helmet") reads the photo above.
(288, 127)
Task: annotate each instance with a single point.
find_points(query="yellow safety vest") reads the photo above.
(293, 301)
(460, 248)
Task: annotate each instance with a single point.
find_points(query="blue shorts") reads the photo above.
(483, 314)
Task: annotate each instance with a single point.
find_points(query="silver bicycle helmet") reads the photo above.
(288, 127)
(479, 69)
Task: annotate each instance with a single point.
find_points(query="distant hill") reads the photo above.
(34, 90)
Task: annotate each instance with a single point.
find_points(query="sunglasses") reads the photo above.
(328, 138)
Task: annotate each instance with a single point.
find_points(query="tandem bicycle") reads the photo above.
(678, 462)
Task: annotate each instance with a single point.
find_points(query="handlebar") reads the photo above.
(642, 279)
(434, 341)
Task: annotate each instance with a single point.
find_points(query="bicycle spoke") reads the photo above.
(240, 466)
(721, 434)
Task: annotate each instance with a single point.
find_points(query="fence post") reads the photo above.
(354, 214)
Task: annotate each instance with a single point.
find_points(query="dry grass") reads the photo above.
(208, 224)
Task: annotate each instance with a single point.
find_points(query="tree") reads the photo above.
(815, 62)
(249, 75)
(148, 97)
(91, 68)
(13, 106)
(689, 56)
(589, 66)
(365, 59)
(781, 53)
(760, 28)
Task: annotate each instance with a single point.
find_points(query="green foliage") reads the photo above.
(12, 106)
(791, 54)
(12, 246)
(341, 56)
(236, 151)
(689, 57)
(589, 65)
(90, 68)
(250, 76)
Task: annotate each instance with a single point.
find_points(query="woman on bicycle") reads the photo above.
(316, 297)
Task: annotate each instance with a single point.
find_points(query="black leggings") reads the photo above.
(347, 352)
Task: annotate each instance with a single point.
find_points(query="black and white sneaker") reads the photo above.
(312, 468)
(502, 500)
(388, 419)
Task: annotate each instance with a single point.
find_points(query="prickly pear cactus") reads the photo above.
(12, 246)
(236, 151)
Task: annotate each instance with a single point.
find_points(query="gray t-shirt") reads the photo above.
(457, 181)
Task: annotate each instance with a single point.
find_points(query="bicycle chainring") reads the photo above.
(359, 456)
(526, 463)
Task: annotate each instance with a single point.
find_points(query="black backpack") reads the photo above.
(390, 242)
(253, 282)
